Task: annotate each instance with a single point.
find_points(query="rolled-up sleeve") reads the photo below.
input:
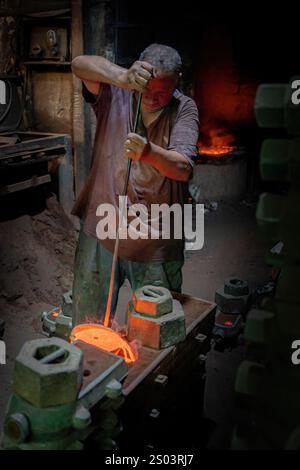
(185, 132)
(92, 99)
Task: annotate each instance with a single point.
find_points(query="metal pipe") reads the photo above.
(116, 247)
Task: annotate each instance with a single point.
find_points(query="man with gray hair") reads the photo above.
(161, 151)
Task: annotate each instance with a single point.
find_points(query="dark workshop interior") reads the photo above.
(212, 388)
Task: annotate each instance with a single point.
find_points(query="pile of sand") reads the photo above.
(36, 260)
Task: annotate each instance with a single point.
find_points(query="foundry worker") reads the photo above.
(161, 151)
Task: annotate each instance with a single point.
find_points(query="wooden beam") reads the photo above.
(80, 166)
(32, 182)
(8, 140)
(31, 160)
(50, 142)
(36, 152)
(17, 7)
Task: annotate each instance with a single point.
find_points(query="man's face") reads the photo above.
(159, 91)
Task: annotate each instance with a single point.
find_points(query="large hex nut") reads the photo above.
(270, 105)
(260, 326)
(249, 378)
(292, 109)
(294, 155)
(235, 286)
(63, 326)
(152, 300)
(287, 289)
(275, 159)
(55, 323)
(274, 107)
(157, 332)
(232, 304)
(67, 303)
(269, 213)
(48, 372)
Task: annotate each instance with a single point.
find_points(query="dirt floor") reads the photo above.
(36, 262)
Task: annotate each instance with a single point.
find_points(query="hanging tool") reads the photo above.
(116, 248)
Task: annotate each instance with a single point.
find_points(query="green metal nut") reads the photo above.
(55, 323)
(288, 318)
(67, 304)
(275, 107)
(48, 372)
(235, 286)
(49, 321)
(157, 332)
(274, 160)
(288, 287)
(269, 105)
(292, 109)
(280, 160)
(293, 442)
(233, 304)
(269, 214)
(294, 155)
(152, 300)
(249, 378)
(259, 326)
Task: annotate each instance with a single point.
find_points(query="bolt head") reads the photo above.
(17, 427)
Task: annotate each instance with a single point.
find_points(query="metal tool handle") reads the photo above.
(153, 291)
(53, 356)
(116, 247)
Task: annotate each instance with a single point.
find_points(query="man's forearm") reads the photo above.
(168, 162)
(99, 69)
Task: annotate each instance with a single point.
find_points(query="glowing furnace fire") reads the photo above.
(104, 338)
(219, 143)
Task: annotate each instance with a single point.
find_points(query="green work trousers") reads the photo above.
(92, 275)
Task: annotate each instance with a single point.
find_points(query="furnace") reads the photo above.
(219, 174)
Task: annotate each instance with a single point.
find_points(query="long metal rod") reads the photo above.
(116, 248)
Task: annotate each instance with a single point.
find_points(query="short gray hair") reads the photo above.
(163, 57)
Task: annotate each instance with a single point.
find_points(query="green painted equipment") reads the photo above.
(268, 383)
(55, 385)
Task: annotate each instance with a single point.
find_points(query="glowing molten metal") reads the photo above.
(219, 143)
(104, 338)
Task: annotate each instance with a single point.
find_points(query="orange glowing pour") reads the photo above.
(219, 143)
(104, 338)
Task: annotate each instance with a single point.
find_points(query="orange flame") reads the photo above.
(104, 338)
(56, 312)
(219, 143)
